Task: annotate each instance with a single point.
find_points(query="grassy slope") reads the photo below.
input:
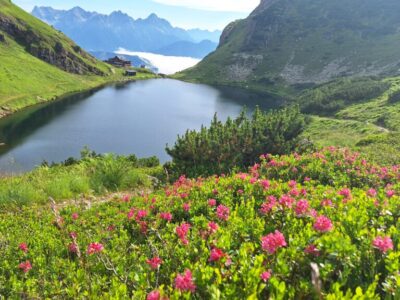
(92, 176)
(372, 127)
(26, 80)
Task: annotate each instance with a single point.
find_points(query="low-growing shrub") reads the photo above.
(394, 97)
(317, 226)
(331, 97)
(236, 143)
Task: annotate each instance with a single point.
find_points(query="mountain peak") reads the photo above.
(152, 16)
(301, 42)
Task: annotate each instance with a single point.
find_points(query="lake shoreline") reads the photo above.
(139, 117)
(8, 113)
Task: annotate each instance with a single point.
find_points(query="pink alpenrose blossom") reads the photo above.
(213, 227)
(95, 248)
(184, 282)
(23, 247)
(25, 266)
(154, 262)
(223, 212)
(265, 276)
(216, 254)
(273, 242)
(154, 295)
(383, 243)
(323, 224)
(182, 232)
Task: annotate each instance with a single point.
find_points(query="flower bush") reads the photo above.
(292, 227)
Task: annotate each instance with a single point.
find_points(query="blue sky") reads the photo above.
(205, 14)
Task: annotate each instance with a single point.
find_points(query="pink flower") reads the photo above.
(372, 193)
(23, 247)
(25, 266)
(216, 254)
(73, 247)
(154, 262)
(228, 261)
(75, 216)
(292, 183)
(346, 193)
(326, 203)
(213, 227)
(73, 235)
(265, 183)
(272, 242)
(312, 249)
(131, 213)
(313, 213)
(186, 207)
(182, 232)
(265, 276)
(223, 212)
(184, 282)
(323, 224)
(141, 214)
(286, 201)
(94, 248)
(302, 207)
(294, 192)
(166, 216)
(154, 295)
(212, 202)
(126, 198)
(390, 193)
(266, 207)
(384, 243)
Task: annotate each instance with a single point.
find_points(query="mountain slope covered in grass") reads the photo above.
(39, 63)
(302, 42)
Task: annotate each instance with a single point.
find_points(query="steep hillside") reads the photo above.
(39, 63)
(302, 42)
(45, 43)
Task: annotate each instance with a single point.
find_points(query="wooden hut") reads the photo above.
(118, 61)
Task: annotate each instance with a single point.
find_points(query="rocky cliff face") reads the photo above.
(67, 57)
(307, 42)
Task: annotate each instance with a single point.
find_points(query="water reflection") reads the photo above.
(138, 117)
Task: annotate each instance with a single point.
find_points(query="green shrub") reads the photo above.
(334, 96)
(108, 173)
(394, 97)
(235, 143)
(265, 232)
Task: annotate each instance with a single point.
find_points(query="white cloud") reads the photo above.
(165, 64)
(243, 6)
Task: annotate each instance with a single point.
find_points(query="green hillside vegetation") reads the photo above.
(365, 121)
(287, 45)
(92, 175)
(40, 64)
(323, 225)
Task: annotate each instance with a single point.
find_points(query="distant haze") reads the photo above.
(165, 64)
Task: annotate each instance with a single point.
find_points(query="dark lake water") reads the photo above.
(134, 118)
